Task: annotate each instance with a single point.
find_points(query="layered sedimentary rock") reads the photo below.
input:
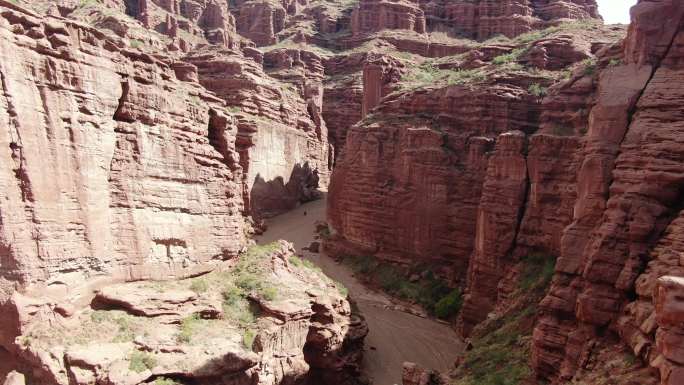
(408, 188)
(282, 139)
(132, 333)
(110, 166)
(120, 166)
(377, 15)
(482, 19)
(594, 180)
(620, 218)
(259, 21)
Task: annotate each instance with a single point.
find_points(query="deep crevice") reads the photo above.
(122, 114)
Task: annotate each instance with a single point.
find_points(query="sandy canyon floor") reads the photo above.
(395, 336)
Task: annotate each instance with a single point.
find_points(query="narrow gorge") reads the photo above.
(341, 192)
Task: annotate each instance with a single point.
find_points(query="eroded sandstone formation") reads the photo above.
(191, 330)
(142, 138)
(119, 165)
(476, 177)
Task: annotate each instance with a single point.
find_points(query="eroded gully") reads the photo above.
(394, 336)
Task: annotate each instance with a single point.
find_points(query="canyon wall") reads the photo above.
(479, 19)
(138, 138)
(141, 138)
(114, 164)
(473, 179)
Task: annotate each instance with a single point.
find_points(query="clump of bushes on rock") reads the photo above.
(141, 361)
(501, 345)
(420, 284)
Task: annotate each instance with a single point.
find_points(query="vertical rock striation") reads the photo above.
(592, 178)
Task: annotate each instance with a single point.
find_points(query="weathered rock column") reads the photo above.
(669, 307)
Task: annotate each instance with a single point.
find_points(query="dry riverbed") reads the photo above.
(395, 336)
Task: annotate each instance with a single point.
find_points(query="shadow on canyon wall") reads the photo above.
(269, 198)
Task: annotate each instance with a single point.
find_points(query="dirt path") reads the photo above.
(395, 336)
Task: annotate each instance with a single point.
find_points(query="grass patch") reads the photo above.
(510, 57)
(501, 347)
(188, 328)
(141, 361)
(199, 285)
(248, 338)
(450, 305)
(136, 43)
(537, 90)
(427, 291)
(537, 271)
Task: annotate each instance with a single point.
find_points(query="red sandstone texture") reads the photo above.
(478, 177)
(140, 136)
(120, 165)
(479, 19)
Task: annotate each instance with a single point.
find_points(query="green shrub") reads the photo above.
(589, 66)
(188, 328)
(268, 293)
(248, 282)
(248, 338)
(510, 57)
(537, 90)
(231, 295)
(125, 332)
(499, 357)
(303, 263)
(537, 271)
(450, 305)
(427, 291)
(136, 43)
(199, 286)
(237, 307)
(141, 361)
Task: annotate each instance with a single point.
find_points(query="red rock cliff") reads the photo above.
(593, 178)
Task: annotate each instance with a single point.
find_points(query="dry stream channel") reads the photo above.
(395, 336)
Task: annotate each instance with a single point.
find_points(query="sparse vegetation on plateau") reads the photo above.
(141, 361)
(199, 285)
(428, 74)
(188, 327)
(509, 57)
